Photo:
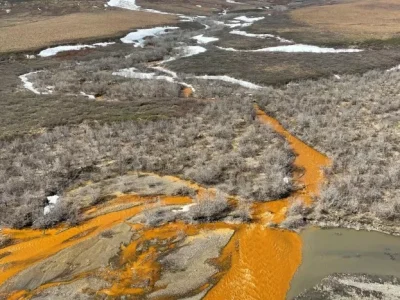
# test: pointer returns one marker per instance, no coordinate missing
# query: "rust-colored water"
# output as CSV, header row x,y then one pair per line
x,y
265,260
258,262
263,263
35,245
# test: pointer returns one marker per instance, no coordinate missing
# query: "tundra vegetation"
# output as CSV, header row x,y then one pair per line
x,y
354,121
220,147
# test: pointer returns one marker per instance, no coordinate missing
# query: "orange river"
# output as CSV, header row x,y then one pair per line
x,y
261,260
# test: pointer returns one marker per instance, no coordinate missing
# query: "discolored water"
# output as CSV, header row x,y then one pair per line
x,y
327,251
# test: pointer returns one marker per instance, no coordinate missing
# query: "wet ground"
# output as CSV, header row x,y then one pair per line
x,y
329,251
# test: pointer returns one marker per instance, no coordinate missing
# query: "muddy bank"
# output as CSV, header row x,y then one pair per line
x,y
348,287
329,251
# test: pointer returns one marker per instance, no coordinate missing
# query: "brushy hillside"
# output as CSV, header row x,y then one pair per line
x,y
355,121
223,146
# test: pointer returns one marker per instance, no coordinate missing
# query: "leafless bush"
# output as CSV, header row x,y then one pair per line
x,y
191,147
108,234
355,122
243,211
183,190
5,240
209,207
61,212
296,214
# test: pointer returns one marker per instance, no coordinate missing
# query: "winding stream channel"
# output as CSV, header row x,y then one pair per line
x,y
252,260
258,262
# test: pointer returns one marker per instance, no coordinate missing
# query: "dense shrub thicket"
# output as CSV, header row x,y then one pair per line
x,y
355,121
222,147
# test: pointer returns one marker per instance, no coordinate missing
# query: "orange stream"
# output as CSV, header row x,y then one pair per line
x,y
35,245
258,262
266,259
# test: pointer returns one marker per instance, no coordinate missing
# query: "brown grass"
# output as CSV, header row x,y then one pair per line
x,y
190,6
360,19
45,31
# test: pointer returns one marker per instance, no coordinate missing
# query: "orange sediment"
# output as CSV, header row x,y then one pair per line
x,y
263,263
257,263
264,260
307,158
36,245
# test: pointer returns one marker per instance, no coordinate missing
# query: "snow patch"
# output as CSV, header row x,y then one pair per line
x,y
164,70
87,95
396,68
229,79
234,2
249,20
134,73
186,51
297,48
138,37
52,202
30,86
184,208
201,39
131,5
260,36
55,50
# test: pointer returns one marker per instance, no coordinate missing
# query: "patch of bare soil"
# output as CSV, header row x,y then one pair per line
x,y
86,256
38,32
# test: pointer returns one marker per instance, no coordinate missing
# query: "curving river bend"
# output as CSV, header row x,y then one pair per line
x,y
255,261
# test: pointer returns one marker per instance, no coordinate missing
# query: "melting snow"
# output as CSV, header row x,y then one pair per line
x,y
131,5
133,73
225,78
52,202
184,208
186,51
260,36
248,20
164,70
87,95
201,39
138,37
297,48
396,68
54,50
29,85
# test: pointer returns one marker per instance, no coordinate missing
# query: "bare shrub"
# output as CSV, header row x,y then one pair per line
x,y
5,241
108,234
158,215
209,207
243,211
52,162
183,190
354,121
61,212
296,214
